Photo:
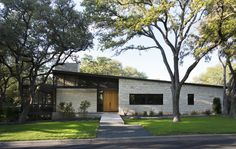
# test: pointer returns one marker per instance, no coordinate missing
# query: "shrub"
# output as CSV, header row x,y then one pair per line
x,y
194,113
160,113
216,106
84,105
145,113
207,112
9,114
67,109
151,113
61,106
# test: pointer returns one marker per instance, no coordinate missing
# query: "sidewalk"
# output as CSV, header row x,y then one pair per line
x,y
112,126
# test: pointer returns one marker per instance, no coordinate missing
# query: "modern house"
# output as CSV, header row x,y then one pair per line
x,y
127,95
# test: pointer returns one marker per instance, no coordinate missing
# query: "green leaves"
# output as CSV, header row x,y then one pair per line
x,y
107,66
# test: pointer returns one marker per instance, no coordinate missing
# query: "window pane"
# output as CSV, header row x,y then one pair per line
x,y
146,99
190,99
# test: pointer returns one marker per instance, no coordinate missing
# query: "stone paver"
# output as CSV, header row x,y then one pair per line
x,y
112,126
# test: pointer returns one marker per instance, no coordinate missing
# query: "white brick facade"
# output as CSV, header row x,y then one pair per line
x,y
76,96
203,96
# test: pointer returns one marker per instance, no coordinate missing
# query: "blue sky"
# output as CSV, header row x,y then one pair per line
x,y
149,62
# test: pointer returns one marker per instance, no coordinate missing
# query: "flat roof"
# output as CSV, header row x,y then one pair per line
x,y
60,72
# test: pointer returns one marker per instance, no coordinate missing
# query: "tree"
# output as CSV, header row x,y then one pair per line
x,y
220,25
35,37
169,24
213,76
107,66
4,84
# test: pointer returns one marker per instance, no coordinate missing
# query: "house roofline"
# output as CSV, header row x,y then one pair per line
x,y
55,72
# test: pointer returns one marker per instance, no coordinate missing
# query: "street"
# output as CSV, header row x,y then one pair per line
x,y
182,142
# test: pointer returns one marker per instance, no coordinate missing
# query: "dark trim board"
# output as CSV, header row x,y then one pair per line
x,y
80,74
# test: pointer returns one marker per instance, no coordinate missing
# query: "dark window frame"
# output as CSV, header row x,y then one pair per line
x,y
190,99
146,99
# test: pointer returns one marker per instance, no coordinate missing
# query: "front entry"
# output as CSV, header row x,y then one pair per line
x,y
110,102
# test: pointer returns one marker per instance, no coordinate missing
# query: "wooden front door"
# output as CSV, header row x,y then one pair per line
x,y
110,102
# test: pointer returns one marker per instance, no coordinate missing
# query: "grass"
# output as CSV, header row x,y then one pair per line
x,y
203,125
49,131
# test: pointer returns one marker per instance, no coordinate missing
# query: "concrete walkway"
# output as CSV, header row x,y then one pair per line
x,y
112,126
111,119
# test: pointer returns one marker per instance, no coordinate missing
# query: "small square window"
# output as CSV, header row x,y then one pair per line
x,y
190,99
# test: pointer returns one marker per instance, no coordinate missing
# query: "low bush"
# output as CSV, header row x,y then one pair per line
x,y
145,113
67,109
216,106
160,113
84,105
9,114
194,113
207,112
151,113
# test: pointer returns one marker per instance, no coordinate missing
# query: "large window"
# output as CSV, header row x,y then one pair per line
x,y
146,99
190,99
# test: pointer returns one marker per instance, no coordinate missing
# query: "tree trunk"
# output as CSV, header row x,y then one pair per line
x,y
232,89
233,97
28,103
225,98
25,112
175,99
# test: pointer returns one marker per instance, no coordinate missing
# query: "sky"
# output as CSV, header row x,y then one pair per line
x,y
150,62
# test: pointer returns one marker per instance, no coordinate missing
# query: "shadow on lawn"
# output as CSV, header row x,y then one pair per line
x,y
51,127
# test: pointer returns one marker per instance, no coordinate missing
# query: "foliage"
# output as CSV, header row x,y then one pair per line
x,y
61,106
207,112
67,109
169,25
213,75
10,110
107,66
84,105
151,113
36,36
220,25
216,106
196,125
49,130
194,113
145,113
160,113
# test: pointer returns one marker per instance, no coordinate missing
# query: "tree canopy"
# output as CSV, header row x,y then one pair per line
x,y
36,36
213,76
172,26
220,25
108,66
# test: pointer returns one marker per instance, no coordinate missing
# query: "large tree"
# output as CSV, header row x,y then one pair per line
x,y
220,24
37,35
170,25
108,66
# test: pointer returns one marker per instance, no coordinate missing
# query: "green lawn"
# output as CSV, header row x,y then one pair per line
x,y
49,130
203,125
